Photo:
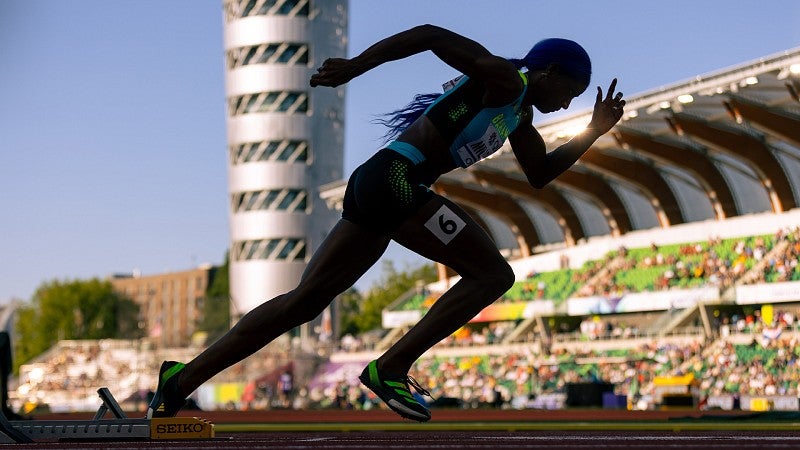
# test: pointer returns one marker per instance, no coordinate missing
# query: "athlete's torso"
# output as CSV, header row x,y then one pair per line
x,y
470,130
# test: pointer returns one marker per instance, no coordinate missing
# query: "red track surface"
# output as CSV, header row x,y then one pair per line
x,y
443,439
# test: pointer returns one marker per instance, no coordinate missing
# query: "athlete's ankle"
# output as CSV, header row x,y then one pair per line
x,y
391,367
179,383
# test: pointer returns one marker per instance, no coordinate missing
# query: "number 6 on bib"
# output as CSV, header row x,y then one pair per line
x,y
445,224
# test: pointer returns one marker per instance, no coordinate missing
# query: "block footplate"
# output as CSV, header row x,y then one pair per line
x,y
172,428
84,430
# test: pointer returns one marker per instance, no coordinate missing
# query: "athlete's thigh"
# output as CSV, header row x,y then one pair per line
x,y
445,233
344,256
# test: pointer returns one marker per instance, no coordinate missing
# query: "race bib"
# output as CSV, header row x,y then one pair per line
x,y
474,151
445,224
452,83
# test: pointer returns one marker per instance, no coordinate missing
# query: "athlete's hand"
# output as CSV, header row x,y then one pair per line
x,y
335,72
608,110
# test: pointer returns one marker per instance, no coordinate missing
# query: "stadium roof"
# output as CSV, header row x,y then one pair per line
x,y
719,145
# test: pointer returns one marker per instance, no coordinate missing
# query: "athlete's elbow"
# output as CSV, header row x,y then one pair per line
x,y
540,175
536,178
538,182
428,32
428,28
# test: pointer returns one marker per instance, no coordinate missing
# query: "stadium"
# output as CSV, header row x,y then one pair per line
x,y
660,272
670,248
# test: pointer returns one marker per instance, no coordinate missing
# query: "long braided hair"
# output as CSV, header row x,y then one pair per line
x,y
572,59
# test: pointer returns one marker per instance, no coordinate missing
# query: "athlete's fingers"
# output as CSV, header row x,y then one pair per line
x,y
611,88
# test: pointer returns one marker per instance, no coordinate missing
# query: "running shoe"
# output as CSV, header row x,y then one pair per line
x,y
395,391
167,400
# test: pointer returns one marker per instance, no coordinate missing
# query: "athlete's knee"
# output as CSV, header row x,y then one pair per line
x,y
500,278
298,308
507,278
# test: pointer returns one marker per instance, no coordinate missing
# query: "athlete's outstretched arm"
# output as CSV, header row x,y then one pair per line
x,y
459,52
541,167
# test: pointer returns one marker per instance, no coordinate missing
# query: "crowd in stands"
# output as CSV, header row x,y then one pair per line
x,y
351,344
783,265
514,380
67,377
72,372
768,364
593,328
715,262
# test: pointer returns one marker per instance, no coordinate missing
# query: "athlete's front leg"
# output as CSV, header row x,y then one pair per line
x,y
443,232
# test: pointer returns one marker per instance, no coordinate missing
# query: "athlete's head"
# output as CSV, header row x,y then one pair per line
x,y
560,70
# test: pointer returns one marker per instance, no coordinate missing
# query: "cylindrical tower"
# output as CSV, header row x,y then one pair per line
x,y
285,140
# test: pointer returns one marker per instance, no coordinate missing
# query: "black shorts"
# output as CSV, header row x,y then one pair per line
x,y
386,190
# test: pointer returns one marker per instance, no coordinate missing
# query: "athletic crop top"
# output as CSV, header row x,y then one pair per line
x,y
473,131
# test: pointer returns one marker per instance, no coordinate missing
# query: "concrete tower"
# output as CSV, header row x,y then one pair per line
x,y
285,139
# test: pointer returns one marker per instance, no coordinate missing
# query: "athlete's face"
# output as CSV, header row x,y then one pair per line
x,y
555,91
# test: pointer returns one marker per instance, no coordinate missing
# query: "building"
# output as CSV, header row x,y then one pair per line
x,y
285,140
171,304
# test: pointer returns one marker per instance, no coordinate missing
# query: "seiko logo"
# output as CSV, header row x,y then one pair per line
x,y
179,428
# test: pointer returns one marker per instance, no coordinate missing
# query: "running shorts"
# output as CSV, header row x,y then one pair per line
x,y
386,190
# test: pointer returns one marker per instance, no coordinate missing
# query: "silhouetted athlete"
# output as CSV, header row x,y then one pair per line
x,y
389,198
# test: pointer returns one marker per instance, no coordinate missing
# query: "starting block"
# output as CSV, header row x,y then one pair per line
x,y
120,428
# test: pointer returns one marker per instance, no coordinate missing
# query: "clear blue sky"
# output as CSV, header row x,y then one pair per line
x,y
112,120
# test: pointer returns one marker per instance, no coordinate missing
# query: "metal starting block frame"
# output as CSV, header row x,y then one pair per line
x,y
119,428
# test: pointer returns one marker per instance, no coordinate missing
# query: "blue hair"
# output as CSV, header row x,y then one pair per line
x,y
398,120
572,59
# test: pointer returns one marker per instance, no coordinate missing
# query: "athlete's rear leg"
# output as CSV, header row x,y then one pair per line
x,y
345,255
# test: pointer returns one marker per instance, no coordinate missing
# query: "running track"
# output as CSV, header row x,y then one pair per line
x,y
477,429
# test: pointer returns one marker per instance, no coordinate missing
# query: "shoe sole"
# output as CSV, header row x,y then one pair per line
x,y
395,405
154,414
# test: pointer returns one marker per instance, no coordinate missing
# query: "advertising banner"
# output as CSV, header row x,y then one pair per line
x,y
640,301
514,311
493,313
768,293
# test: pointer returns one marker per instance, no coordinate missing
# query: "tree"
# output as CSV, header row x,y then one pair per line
x,y
389,287
217,305
78,309
349,309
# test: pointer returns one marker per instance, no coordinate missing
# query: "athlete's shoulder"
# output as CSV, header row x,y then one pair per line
x,y
505,83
